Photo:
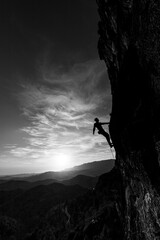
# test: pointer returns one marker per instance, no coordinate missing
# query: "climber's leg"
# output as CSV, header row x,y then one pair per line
x,y
108,139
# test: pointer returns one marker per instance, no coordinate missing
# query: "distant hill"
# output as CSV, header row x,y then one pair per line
x,y
92,169
82,180
84,175
21,184
95,168
15,176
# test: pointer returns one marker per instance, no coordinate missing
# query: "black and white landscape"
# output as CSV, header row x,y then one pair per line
x,y
80,82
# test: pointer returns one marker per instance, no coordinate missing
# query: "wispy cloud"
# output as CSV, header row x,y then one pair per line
x,y
61,107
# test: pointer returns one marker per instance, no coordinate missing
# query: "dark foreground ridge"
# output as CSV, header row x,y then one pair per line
x,y
48,209
92,215
59,212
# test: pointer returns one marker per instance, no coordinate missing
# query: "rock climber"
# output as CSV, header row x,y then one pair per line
x,y
100,129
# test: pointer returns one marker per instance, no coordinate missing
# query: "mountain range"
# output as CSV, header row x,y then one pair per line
x,y
84,175
26,199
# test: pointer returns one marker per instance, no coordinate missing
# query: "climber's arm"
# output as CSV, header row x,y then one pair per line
x,y
105,123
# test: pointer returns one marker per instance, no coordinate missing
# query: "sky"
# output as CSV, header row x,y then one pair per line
x,y
52,86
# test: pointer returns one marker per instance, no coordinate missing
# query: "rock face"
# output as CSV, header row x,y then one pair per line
x,y
129,44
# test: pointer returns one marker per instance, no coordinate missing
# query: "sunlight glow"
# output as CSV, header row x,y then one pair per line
x,y
62,161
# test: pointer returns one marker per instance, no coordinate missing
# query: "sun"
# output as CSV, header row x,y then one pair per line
x,y
62,161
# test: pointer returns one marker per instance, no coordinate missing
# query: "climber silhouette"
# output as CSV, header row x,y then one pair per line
x,y
98,125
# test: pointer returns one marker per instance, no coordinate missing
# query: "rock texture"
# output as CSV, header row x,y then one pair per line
x,y
129,44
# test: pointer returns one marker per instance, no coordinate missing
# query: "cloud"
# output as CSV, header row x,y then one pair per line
x,y
61,107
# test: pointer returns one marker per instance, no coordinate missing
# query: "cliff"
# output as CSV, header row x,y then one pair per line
x,y
129,44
